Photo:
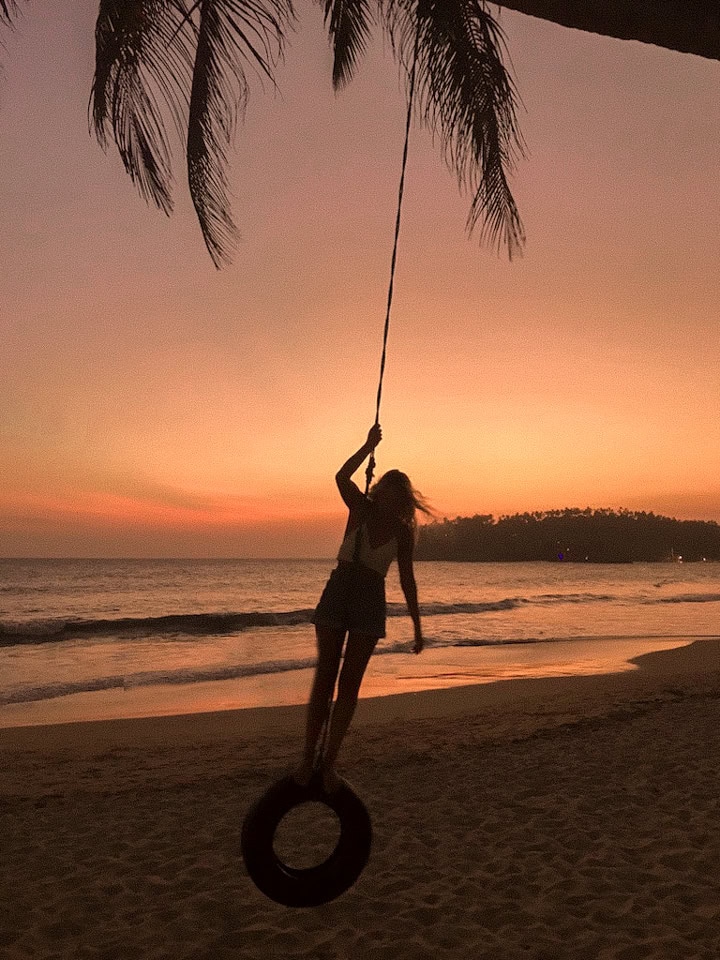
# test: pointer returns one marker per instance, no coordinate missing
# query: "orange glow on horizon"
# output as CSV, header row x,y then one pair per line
x,y
118,511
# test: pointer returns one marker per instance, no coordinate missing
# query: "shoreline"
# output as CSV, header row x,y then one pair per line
x,y
436,669
510,705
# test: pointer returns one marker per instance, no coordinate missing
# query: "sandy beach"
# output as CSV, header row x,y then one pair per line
x,y
536,819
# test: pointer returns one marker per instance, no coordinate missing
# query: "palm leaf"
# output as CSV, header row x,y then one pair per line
x,y
143,64
230,34
8,9
348,23
186,59
467,99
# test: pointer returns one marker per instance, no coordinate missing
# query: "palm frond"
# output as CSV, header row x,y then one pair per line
x,y
143,64
8,10
467,99
348,23
230,34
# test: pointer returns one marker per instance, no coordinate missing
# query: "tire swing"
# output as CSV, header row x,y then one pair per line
x,y
313,886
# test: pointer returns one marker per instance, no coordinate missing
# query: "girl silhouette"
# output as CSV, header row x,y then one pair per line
x,y
381,527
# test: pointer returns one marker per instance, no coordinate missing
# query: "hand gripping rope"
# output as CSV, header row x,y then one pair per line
x,y
313,886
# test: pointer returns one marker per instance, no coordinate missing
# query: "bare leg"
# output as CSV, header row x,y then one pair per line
x,y
329,645
357,654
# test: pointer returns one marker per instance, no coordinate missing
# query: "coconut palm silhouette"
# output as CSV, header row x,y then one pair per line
x,y
184,63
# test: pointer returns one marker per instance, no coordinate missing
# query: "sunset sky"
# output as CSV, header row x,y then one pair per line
x,y
152,406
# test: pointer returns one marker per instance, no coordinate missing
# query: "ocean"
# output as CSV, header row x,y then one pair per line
x,y
92,639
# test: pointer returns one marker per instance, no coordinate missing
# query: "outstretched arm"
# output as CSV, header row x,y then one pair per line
x,y
349,490
409,587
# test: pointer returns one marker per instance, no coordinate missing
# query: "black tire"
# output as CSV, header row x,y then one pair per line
x,y
312,886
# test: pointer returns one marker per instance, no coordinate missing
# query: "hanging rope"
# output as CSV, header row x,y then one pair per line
x,y
411,96
320,750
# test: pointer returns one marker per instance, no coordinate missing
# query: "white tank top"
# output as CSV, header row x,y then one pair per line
x,y
376,558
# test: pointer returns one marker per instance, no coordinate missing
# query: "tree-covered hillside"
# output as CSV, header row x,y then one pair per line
x,y
595,536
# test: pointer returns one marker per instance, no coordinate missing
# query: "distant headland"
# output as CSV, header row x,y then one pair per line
x,y
571,535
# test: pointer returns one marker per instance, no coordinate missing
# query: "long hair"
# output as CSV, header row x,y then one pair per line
x,y
411,500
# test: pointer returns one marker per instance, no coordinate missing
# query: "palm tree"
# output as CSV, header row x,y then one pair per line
x,y
184,63
186,60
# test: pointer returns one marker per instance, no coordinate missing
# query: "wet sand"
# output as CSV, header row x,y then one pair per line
x,y
538,819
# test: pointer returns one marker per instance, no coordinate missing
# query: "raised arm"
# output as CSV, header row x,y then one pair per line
x,y
349,490
409,587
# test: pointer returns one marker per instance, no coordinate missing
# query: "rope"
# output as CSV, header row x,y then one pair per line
x,y
371,463
411,96
320,750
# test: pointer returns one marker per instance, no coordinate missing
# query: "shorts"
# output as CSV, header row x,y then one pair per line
x,y
353,599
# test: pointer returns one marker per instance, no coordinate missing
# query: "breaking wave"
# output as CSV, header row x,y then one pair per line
x,y
48,630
